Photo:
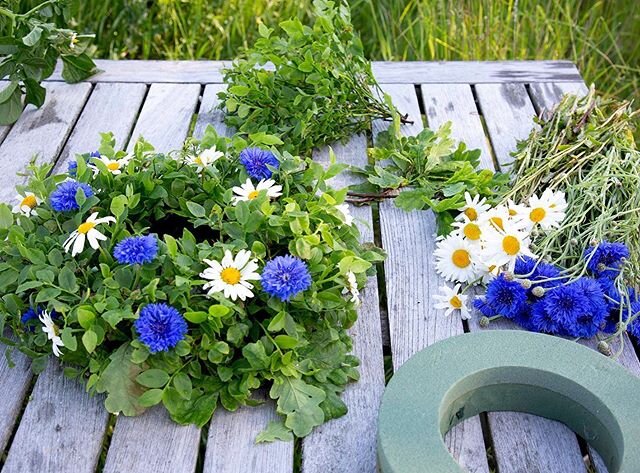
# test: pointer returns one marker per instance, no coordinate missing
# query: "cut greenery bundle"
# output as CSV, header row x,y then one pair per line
x,y
189,280
30,45
317,88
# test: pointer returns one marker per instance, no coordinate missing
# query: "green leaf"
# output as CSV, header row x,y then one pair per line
x,y
182,383
90,340
196,411
256,355
153,378
196,210
239,90
70,342
172,245
33,37
265,139
300,403
151,397
47,294
196,317
86,316
6,217
35,93
118,381
218,310
118,205
77,68
275,430
277,323
67,280
11,107
411,200
285,341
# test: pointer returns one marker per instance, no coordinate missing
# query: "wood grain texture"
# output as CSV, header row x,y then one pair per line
x,y
412,72
522,442
111,107
166,115
508,115
546,95
239,429
14,383
62,427
152,442
411,281
455,103
39,133
348,444
4,131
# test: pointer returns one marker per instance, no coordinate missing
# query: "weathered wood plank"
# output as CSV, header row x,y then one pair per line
x,y
508,114
14,383
75,438
521,442
411,282
348,444
40,133
112,107
4,131
166,115
62,427
455,103
152,442
545,97
411,72
239,429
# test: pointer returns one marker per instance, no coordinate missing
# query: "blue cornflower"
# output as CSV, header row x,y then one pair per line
x,y
160,327
256,160
523,318
63,198
285,276
605,259
537,271
505,298
565,304
136,250
595,311
72,167
543,321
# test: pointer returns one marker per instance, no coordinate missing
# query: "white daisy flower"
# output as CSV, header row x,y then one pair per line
x,y
248,192
115,165
73,40
206,158
488,272
548,210
86,231
51,330
451,300
495,218
231,276
453,259
474,207
503,247
471,230
26,204
346,213
352,288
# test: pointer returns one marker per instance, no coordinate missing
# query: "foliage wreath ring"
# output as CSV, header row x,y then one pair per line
x,y
516,371
296,342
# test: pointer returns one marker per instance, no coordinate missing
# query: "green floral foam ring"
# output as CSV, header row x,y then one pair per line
x,y
506,370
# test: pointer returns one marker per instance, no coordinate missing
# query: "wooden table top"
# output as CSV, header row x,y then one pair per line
x,y
49,424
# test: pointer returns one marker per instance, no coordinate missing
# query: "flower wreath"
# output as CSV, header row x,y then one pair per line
x,y
189,278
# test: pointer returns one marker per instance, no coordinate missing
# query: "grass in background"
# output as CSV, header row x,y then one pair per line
x,y
601,37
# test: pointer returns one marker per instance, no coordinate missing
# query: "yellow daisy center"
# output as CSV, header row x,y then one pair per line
x,y
471,213
113,166
252,195
198,160
537,215
230,276
511,245
455,302
461,258
29,201
85,227
512,213
497,221
472,231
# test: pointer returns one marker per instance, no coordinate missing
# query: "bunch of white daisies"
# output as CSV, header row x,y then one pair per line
x,y
487,240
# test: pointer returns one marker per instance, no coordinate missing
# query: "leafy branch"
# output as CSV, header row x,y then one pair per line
x,y
30,45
